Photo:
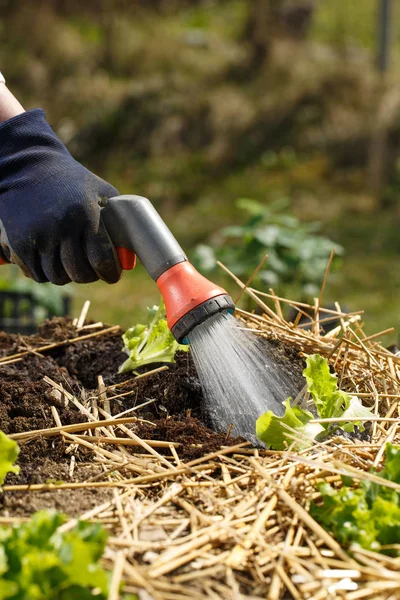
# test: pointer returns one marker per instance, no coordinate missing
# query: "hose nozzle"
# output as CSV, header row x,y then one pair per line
x,y
133,224
190,299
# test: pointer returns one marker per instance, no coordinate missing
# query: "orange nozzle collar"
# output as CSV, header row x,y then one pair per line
x,y
183,289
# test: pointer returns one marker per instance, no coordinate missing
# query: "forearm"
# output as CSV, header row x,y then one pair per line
x,y
9,105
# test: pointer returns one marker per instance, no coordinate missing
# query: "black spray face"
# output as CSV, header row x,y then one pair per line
x,y
199,314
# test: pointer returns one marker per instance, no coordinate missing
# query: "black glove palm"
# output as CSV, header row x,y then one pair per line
x,y
49,207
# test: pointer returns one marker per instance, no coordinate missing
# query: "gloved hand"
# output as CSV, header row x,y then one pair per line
x,y
49,207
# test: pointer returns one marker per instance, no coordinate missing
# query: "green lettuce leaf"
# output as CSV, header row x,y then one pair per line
x,y
355,410
278,432
367,515
346,514
392,463
38,562
330,402
322,385
9,451
151,343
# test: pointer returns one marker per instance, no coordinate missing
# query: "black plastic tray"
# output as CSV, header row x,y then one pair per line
x,y
18,312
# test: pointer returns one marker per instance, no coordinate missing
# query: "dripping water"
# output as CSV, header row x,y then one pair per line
x,y
239,379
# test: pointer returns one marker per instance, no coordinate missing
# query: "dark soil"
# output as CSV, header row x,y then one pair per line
x,y
177,413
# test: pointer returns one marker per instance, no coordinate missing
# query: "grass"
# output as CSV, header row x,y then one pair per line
x,y
339,23
354,24
123,303
372,284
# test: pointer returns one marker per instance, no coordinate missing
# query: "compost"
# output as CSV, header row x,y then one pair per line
x,y
175,412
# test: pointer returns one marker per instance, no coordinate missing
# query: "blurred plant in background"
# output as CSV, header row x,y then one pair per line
x,y
297,256
194,103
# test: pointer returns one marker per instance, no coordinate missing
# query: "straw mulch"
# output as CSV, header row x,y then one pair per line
x,y
235,524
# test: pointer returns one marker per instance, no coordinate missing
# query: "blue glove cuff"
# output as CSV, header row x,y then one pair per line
x,y
26,141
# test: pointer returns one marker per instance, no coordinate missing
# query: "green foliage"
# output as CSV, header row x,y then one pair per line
x,y
151,343
296,255
275,431
9,451
39,563
329,401
367,516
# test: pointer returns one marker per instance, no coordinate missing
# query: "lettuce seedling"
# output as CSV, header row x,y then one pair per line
x,y
9,451
151,343
367,515
38,562
278,432
330,402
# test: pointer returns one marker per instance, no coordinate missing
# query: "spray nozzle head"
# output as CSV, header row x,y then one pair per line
x,y
199,314
190,299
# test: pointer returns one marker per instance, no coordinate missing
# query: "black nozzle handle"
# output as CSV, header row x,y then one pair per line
x,y
133,223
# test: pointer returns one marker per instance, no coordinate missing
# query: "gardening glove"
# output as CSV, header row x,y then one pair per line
x,y
49,207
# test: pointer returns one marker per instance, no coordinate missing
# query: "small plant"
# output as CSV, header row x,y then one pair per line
x,y
38,562
9,451
330,402
367,515
151,343
297,257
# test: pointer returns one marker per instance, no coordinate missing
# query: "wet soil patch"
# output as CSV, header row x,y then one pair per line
x,y
175,412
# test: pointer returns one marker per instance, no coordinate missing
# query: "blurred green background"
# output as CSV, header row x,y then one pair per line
x,y
195,104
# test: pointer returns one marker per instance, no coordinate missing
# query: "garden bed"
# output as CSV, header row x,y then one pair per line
x,y
192,513
174,412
